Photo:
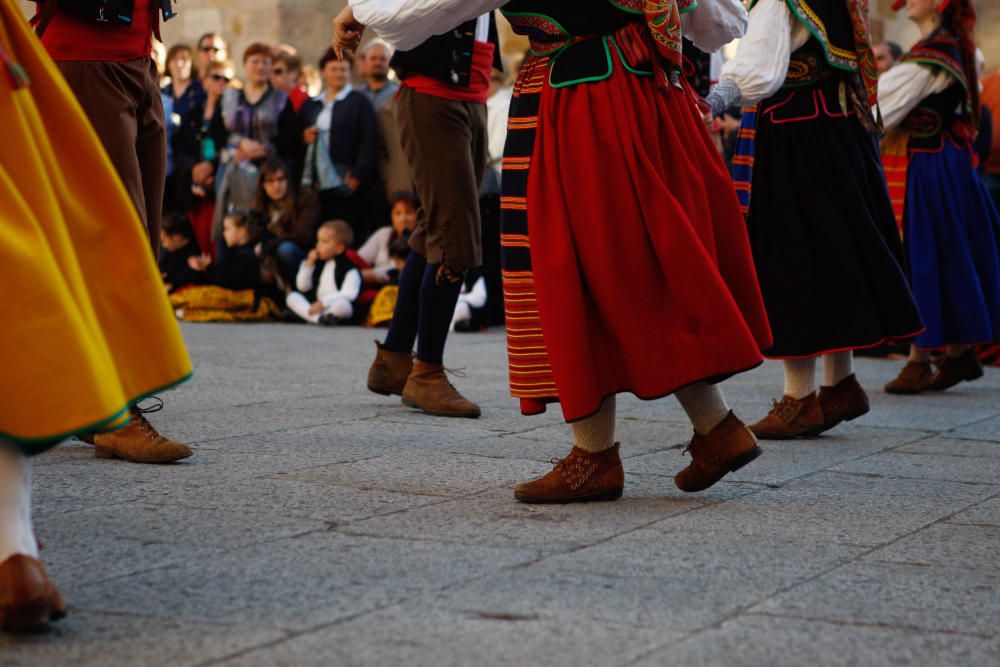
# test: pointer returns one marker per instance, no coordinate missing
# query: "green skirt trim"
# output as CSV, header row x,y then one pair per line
x,y
35,446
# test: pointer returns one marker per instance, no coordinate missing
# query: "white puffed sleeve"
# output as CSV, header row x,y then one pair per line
x,y
761,61
407,23
904,86
714,23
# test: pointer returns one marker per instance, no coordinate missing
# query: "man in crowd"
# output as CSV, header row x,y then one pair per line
x,y
375,68
211,47
107,63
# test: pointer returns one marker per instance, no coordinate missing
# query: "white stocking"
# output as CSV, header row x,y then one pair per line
x,y
836,367
16,533
597,432
800,377
704,404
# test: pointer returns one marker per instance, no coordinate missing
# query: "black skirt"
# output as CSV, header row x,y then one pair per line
x,y
824,238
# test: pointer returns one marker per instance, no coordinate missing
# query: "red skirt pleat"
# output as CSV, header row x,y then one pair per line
x,y
644,278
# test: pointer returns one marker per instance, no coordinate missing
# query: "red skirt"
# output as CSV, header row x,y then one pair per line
x,y
641,270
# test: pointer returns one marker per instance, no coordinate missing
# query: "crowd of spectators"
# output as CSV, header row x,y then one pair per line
x,y
289,180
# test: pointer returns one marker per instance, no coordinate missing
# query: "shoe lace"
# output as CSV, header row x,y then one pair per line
x,y
786,409
139,413
456,372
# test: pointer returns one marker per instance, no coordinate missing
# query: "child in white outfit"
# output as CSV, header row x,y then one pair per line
x,y
328,282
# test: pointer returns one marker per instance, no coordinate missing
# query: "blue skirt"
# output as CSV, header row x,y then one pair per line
x,y
952,235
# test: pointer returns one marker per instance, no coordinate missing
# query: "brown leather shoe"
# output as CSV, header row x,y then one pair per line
x,y
389,371
428,389
580,477
729,447
952,370
843,402
28,598
791,418
915,377
139,442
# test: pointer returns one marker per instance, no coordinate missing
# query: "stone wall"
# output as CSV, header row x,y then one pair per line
x,y
306,24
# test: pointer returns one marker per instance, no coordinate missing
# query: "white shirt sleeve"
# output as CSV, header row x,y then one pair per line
x,y
476,297
371,250
714,23
761,61
407,23
902,88
304,278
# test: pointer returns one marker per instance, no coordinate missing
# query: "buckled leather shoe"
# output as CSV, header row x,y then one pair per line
x,y
791,418
727,448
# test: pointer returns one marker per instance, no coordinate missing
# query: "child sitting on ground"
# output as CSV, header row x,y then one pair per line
x,y
328,282
177,245
239,266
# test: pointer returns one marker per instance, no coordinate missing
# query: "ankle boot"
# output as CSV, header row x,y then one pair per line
x,y
843,402
28,598
952,370
727,448
428,389
791,418
139,442
389,371
580,477
915,377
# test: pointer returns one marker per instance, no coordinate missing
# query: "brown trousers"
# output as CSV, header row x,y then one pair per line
x,y
122,102
446,145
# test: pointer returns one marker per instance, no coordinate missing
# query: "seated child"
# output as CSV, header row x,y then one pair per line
x,y
375,251
471,302
239,266
328,282
177,245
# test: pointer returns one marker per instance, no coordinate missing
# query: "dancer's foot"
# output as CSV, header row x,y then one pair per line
x,y
952,370
139,441
389,371
791,418
28,598
580,477
914,378
429,390
727,448
843,402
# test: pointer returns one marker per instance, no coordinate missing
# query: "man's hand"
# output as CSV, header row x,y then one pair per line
x,y
202,173
310,134
347,32
316,308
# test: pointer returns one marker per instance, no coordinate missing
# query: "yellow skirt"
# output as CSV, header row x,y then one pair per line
x,y
85,326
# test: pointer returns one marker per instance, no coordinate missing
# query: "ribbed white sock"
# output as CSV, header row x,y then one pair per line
x,y
16,533
800,377
836,367
597,432
704,404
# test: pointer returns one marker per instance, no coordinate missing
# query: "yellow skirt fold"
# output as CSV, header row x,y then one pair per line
x,y
85,326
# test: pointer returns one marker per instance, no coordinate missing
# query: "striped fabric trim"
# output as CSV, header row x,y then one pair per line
x,y
896,162
743,158
531,374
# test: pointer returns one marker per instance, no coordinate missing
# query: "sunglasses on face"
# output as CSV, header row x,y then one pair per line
x,y
219,77
210,49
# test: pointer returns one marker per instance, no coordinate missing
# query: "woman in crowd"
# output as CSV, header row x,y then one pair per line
x,y
260,123
211,48
341,159
290,215
187,98
211,139
376,250
573,192
930,101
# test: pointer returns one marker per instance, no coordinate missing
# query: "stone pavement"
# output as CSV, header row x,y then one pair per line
x,y
319,524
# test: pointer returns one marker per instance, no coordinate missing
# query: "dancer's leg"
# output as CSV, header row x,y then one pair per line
x,y
704,404
800,377
956,350
919,356
16,533
836,367
438,297
403,329
597,432
798,413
